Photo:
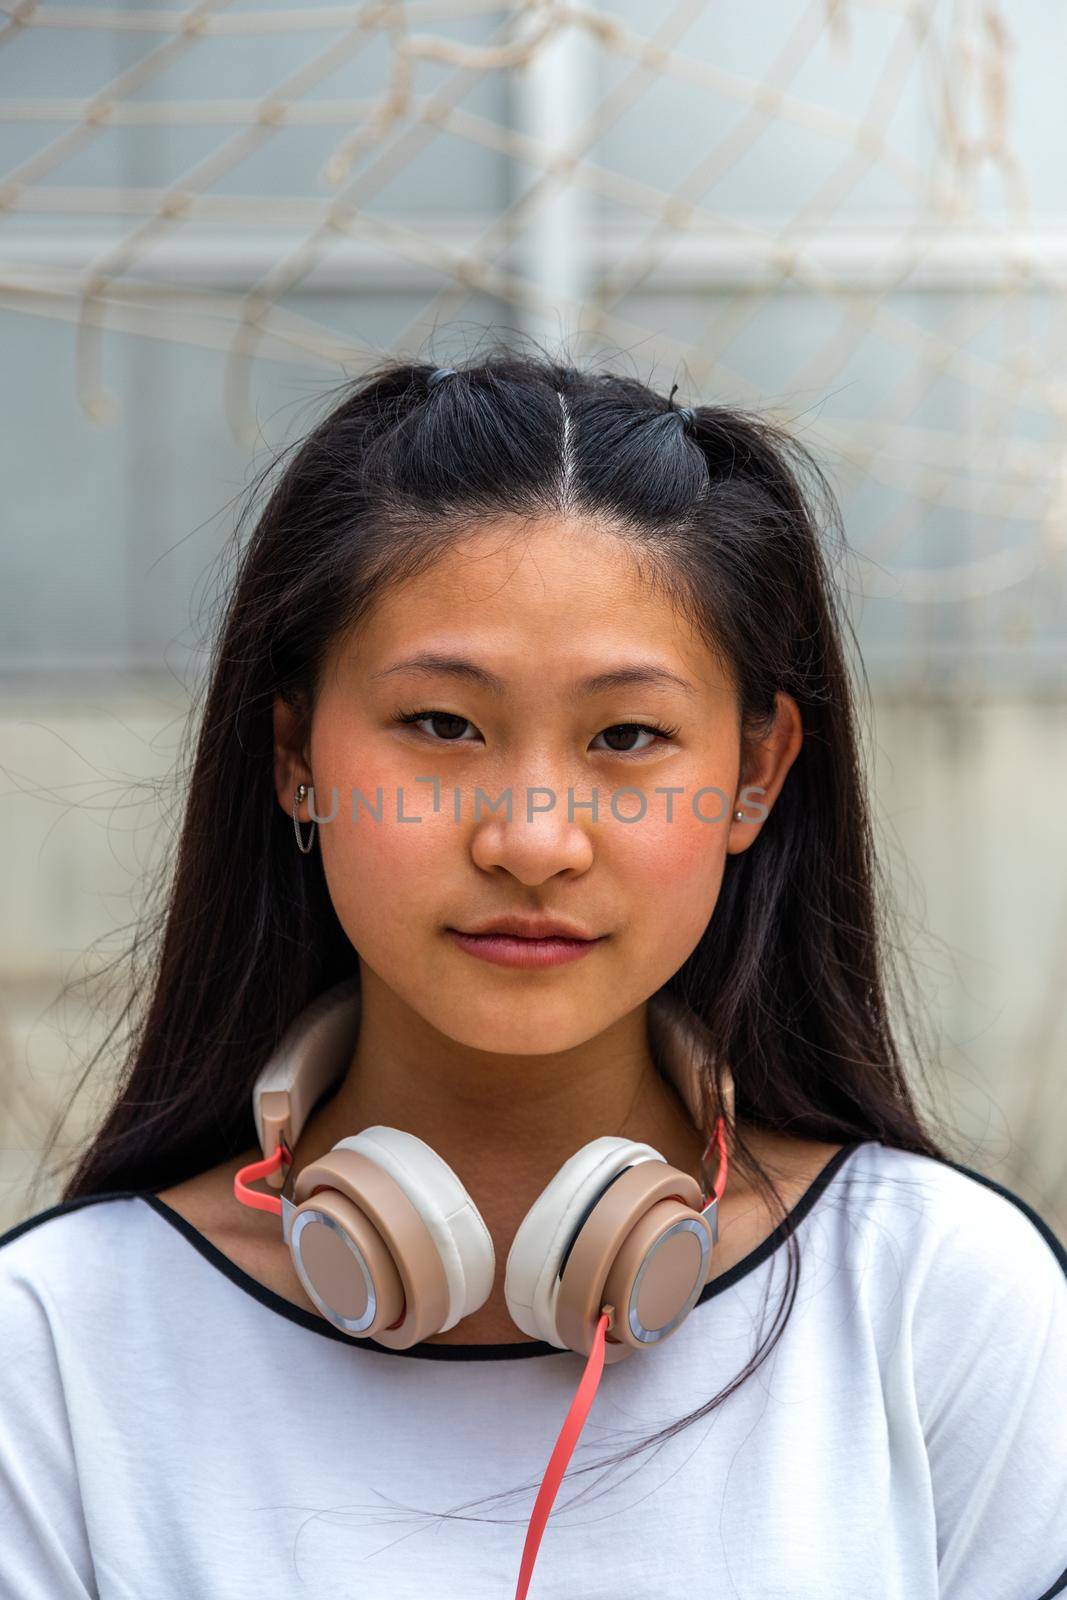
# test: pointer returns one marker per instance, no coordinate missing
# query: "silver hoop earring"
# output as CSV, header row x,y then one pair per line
x,y
300,794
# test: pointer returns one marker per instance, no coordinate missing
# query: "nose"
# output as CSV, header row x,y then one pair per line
x,y
535,832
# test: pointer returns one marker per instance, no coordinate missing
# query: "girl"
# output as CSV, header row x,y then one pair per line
x,y
523,927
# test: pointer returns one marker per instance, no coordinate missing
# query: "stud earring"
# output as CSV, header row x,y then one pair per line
x,y
738,816
299,796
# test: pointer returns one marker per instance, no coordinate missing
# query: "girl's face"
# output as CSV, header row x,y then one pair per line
x,y
532,613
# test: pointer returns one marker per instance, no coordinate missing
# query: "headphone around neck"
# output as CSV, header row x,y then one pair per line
x,y
610,1258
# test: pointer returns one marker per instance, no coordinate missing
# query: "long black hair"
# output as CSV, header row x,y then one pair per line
x,y
725,510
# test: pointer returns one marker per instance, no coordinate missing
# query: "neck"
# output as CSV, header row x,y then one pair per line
x,y
504,1123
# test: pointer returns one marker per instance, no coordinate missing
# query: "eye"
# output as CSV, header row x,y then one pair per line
x,y
415,717
630,728
454,725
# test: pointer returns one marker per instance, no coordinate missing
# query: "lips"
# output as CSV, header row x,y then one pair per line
x,y
530,928
505,949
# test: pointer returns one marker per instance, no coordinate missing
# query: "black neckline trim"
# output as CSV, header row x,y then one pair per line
x,y
478,1352
509,1352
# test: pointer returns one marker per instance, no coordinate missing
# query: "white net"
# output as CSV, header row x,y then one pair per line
x,y
821,206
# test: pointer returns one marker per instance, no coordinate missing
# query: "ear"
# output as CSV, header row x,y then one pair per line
x,y
290,758
767,763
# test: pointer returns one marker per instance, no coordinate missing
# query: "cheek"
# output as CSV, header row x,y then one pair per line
x,y
673,872
382,875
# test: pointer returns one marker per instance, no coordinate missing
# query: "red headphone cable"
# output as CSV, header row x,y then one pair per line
x,y
583,1399
259,1169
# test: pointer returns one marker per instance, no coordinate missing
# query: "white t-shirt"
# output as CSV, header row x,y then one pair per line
x,y
171,1430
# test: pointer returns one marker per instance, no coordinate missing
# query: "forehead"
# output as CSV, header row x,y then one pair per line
x,y
547,600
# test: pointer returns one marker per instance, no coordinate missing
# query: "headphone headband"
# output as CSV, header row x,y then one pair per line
x,y
317,1047
311,1056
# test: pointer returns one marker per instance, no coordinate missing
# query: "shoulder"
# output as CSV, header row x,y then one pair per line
x,y
64,1284
955,1269
946,1205
53,1230
52,1258
72,1233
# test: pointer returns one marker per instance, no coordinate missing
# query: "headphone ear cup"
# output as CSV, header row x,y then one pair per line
x,y
546,1233
398,1215
617,1225
456,1225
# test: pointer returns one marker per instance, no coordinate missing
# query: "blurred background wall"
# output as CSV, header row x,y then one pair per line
x,y
849,213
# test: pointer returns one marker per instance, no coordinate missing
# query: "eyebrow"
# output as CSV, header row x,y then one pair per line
x,y
430,663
